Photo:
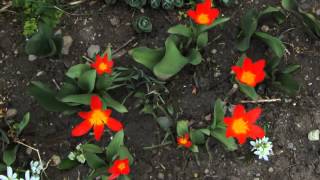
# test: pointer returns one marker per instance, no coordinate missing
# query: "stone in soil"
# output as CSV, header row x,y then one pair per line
x,y
67,42
93,50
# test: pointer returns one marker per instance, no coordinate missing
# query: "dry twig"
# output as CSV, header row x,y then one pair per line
x,y
260,101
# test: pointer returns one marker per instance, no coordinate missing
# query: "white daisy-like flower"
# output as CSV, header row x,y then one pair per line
x,y
10,175
262,148
72,156
81,158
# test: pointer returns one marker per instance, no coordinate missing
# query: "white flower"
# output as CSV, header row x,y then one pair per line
x,y
72,156
10,175
262,148
28,177
78,147
36,167
81,158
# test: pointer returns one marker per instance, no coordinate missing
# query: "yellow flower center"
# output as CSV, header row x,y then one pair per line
x,y
98,118
240,126
248,77
121,166
103,66
203,18
183,141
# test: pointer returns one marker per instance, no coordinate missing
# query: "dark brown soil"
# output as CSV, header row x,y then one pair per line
x,y
288,121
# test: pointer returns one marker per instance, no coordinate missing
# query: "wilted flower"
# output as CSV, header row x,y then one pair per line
x,y
119,167
262,148
10,175
97,118
81,158
242,124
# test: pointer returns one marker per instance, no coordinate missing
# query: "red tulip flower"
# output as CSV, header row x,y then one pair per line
x,y
119,167
250,73
242,125
102,65
204,13
184,141
97,118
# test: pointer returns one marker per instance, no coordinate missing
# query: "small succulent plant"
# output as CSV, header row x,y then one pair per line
x,y
168,4
142,24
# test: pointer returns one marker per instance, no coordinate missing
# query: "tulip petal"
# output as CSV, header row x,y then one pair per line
x,y
256,132
239,111
113,176
96,103
81,129
247,64
114,124
253,115
98,131
84,115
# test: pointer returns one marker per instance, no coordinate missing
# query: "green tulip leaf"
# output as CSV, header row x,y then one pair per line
x,y
77,70
249,91
93,160
274,43
181,30
113,148
87,81
146,56
182,128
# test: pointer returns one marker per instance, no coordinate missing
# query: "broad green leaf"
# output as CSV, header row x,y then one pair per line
x,y
194,148
67,89
205,131
41,45
248,25
182,128
273,42
9,155
217,22
125,154
218,113
181,30
147,109
288,84
46,97
78,99
104,82
93,160
290,69
249,91
23,124
274,12
202,40
197,137
172,62
220,135
164,122
146,56
194,57
77,70
114,146
4,136
87,80
66,164
100,172
290,5
114,104
312,23
92,148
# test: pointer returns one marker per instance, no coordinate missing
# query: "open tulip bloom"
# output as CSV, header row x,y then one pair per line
x,y
184,141
97,118
250,73
119,167
102,65
242,124
204,13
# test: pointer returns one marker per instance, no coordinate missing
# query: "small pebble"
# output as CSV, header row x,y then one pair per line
x,y
270,169
93,50
314,135
214,51
160,175
265,28
32,57
56,160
